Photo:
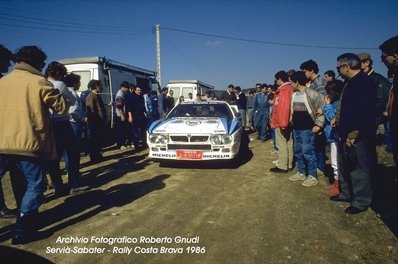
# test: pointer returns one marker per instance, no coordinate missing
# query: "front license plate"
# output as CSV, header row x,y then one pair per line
x,y
189,154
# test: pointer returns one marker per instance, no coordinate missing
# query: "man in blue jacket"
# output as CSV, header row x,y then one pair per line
x,y
261,112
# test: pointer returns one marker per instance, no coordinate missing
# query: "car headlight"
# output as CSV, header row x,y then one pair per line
x,y
226,139
158,139
221,139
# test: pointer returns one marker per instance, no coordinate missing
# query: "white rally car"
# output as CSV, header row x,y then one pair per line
x,y
196,130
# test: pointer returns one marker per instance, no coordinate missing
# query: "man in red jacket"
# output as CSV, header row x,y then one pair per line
x,y
280,121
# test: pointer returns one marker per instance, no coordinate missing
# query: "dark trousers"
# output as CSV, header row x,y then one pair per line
x,y
138,134
320,152
95,139
394,138
356,165
78,132
18,182
121,132
65,141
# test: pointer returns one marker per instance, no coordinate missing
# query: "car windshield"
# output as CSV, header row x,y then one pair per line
x,y
201,110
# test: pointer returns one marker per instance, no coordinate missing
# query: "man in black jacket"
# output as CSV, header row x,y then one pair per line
x,y
229,95
355,125
137,117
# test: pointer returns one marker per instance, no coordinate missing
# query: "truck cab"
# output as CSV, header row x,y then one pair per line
x,y
185,87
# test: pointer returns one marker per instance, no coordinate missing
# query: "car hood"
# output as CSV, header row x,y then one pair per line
x,y
194,125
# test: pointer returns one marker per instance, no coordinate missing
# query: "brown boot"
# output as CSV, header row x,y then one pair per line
x,y
333,189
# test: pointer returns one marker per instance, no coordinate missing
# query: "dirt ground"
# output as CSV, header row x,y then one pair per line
x,y
140,211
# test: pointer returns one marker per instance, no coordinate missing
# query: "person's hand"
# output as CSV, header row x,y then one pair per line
x,y
333,122
351,142
316,129
319,112
327,99
286,133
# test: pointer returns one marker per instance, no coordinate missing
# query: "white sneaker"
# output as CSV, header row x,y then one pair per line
x,y
297,177
320,173
123,148
275,162
310,181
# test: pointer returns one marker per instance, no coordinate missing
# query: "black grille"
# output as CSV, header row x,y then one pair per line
x,y
179,138
189,139
180,146
199,138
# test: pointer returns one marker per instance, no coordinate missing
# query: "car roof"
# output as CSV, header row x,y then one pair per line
x,y
204,102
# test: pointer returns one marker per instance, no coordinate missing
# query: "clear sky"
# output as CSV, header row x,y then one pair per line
x,y
216,41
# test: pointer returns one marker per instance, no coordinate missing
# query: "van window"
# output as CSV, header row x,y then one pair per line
x,y
176,91
85,77
186,91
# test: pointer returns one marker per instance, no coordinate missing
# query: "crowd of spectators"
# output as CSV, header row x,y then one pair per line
x,y
302,112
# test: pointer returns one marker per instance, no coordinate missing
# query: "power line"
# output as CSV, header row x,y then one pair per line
x,y
67,24
69,30
267,42
22,21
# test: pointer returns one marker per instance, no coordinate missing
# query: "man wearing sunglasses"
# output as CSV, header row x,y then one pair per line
x,y
355,125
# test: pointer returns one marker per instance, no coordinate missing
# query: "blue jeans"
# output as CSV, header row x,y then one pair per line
x,y
273,138
34,171
77,129
304,151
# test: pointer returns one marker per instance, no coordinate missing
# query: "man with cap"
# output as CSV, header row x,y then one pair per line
x,y
382,83
389,57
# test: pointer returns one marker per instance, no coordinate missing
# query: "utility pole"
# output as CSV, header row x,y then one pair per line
x,y
158,73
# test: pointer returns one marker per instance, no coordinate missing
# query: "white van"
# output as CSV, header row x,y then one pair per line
x,y
184,87
111,73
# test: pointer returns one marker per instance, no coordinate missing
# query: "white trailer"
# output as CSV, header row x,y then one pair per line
x,y
111,73
184,87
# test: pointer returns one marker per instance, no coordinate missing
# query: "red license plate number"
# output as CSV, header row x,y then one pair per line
x,y
190,154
